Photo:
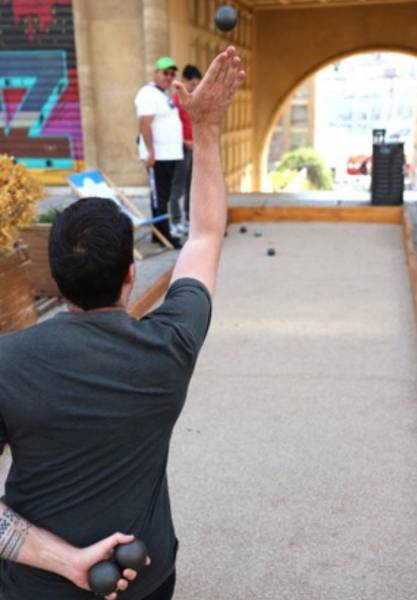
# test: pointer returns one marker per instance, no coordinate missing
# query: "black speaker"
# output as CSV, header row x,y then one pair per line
x,y
387,188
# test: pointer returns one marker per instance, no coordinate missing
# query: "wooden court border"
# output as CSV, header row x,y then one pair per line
x,y
410,254
350,214
150,296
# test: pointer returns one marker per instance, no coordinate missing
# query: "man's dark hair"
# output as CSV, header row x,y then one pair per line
x,y
90,252
190,72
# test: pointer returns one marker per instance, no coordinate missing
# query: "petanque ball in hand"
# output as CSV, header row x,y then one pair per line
x,y
103,578
131,556
226,18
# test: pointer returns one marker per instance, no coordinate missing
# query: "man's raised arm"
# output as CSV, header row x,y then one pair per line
x,y
207,106
22,542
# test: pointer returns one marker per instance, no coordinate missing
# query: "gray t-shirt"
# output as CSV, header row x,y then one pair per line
x,y
88,402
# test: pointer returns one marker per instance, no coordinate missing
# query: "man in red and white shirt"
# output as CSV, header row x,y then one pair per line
x,y
191,77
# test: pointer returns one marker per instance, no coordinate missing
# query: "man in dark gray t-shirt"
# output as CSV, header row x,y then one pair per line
x,y
90,429
89,399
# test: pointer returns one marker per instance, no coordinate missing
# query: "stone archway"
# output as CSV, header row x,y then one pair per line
x,y
293,44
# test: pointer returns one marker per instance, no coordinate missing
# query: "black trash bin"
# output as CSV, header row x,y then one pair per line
x,y
387,187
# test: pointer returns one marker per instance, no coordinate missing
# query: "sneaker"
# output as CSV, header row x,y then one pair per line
x,y
175,230
183,228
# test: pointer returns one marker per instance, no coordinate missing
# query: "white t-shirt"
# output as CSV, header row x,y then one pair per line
x,y
166,126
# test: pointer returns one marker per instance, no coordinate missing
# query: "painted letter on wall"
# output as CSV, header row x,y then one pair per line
x,y
40,121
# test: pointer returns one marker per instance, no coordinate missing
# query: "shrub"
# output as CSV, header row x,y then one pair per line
x,y
280,179
318,174
49,215
19,192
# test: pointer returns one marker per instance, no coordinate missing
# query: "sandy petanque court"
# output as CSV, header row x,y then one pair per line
x,y
293,468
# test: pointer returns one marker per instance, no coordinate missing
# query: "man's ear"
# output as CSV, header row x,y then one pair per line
x,y
131,274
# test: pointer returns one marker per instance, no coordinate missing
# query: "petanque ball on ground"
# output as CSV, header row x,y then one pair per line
x,y
131,556
243,229
271,252
226,18
103,578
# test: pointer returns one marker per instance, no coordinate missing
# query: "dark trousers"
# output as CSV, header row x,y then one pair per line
x,y
165,591
181,187
188,174
160,179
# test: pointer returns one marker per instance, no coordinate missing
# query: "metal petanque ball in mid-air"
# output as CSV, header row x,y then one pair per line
x,y
226,18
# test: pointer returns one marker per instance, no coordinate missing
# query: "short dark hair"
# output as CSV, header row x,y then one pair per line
x,y
190,72
90,252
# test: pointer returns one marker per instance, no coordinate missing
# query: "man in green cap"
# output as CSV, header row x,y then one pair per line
x,y
160,139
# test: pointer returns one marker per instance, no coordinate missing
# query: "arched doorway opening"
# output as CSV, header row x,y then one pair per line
x,y
333,112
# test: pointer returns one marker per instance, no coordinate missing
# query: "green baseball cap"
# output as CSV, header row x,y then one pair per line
x,y
165,62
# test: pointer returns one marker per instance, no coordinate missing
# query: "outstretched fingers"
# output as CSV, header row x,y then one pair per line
x,y
218,68
239,81
213,95
234,79
231,72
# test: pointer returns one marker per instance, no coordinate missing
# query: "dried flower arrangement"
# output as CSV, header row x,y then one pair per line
x,y
19,193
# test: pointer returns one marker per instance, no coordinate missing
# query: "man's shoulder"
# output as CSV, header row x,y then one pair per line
x,y
185,298
23,337
147,90
17,347
147,100
187,308
188,285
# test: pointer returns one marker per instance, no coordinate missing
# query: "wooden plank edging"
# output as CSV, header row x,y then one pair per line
x,y
353,214
410,255
146,300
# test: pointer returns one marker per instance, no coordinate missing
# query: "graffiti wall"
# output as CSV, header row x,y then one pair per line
x,y
40,120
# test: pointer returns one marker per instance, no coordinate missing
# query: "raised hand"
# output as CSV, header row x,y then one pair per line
x,y
212,97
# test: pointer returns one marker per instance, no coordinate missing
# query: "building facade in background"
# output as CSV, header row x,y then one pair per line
x,y
369,91
296,124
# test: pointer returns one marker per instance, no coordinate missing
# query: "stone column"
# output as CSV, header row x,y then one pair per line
x,y
111,64
85,83
155,32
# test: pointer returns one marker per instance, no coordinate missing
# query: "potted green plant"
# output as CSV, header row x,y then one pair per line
x,y
19,193
36,238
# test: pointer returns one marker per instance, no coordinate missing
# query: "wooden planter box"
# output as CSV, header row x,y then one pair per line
x,y
17,309
36,238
